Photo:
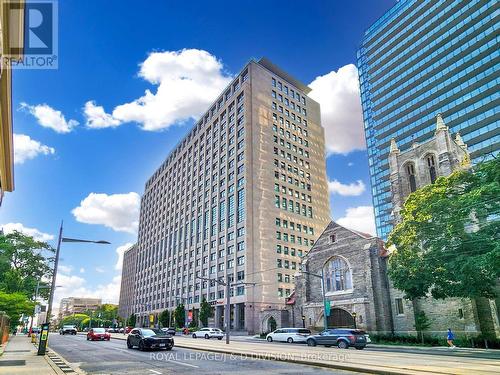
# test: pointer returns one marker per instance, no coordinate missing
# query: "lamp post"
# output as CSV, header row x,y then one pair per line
x,y
322,292
43,343
354,317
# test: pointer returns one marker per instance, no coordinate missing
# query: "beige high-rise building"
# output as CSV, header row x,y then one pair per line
x,y
241,198
76,305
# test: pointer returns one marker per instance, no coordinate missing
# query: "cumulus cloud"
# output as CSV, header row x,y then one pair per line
x,y
119,212
64,269
49,117
33,232
187,81
347,190
97,117
82,270
341,114
120,250
26,148
100,269
359,218
75,286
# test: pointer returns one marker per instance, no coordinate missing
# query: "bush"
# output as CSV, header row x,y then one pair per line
x,y
460,341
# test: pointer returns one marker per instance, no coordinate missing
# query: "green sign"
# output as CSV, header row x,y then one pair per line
x,y
327,308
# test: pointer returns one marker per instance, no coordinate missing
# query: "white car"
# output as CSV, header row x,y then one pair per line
x,y
289,335
208,333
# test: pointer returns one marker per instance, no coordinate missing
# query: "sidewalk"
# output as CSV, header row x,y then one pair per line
x,y
370,361
20,358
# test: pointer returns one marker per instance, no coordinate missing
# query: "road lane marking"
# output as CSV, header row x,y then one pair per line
x,y
181,363
155,372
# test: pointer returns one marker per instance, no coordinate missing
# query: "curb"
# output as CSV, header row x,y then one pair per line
x,y
58,361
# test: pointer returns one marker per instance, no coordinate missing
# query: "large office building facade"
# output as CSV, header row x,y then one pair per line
x,y
241,198
424,58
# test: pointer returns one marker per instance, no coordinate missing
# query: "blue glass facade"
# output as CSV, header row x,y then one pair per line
x,y
420,59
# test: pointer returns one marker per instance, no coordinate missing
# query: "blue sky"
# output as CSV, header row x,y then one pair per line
x,y
101,44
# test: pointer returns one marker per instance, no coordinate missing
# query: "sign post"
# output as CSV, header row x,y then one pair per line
x,y
44,337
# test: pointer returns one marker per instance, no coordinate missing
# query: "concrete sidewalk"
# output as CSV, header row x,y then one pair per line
x,y
369,361
19,358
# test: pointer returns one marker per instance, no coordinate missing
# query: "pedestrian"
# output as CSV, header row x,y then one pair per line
x,y
449,339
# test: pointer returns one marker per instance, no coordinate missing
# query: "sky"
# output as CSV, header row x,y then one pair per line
x,y
132,79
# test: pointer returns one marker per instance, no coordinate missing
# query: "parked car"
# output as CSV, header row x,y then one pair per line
x,y
128,329
149,338
169,331
98,334
341,337
289,335
121,330
208,333
111,330
67,330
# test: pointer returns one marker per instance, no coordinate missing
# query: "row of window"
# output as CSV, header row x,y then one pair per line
x,y
284,88
288,251
292,181
288,134
289,103
294,226
285,237
291,206
285,263
290,146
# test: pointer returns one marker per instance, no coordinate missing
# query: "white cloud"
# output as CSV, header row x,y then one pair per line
x,y
33,232
187,81
82,270
75,286
359,218
100,269
341,114
346,190
97,117
350,164
64,269
120,250
51,118
26,148
119,212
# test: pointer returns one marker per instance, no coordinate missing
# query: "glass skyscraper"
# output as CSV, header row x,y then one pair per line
x,y
423,58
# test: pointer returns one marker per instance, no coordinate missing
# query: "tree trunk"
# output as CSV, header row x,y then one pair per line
x,y
485,317
416,309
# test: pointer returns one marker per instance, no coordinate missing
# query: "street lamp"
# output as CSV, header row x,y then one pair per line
x,y
43,343
38,287
354,317
322,292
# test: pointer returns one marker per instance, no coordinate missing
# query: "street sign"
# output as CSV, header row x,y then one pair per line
x,y
44,336
190,316
327,308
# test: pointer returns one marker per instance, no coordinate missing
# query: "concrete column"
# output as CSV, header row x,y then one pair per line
x,y
218,316
236,315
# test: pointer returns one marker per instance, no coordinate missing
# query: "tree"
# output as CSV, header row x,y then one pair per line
x,y
15,305
131,321
23,263
164,318
180,315
205,312
422,323
448,242
75,319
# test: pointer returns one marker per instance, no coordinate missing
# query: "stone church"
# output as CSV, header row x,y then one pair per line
x,y
353,265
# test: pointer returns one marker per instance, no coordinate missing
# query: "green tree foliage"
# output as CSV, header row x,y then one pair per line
x,y
76,320
422,323
180,315
448,243
205,312
24,262
131,321
164,318
15,305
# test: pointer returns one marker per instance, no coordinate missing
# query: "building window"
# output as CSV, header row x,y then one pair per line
x,y
460,313
410,171
333,238
431,164
399,306
337,275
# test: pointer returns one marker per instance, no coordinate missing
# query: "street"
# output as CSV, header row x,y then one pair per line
x,y
113,357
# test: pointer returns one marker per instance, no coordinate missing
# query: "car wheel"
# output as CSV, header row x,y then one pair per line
x,y
342,344
311,342
328,346
219,338
141,346
360,347
129,345
289,340
207,336
194,335
168,348
269,339
87,338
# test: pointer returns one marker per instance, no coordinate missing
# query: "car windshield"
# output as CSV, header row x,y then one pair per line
x,y
98,330
152,332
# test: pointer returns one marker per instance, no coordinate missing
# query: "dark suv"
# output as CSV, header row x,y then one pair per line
x,y
341,337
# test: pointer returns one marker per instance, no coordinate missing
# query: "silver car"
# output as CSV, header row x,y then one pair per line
x,y
208,333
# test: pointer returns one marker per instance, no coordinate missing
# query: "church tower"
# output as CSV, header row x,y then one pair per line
x,y
423,163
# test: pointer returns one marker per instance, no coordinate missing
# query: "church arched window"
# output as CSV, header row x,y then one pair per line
x,y
431,165
337,274
412,181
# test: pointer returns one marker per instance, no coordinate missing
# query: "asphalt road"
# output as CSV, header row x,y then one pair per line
x,y
113,357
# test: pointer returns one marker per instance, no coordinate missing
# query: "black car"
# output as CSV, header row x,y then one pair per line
x,y
149,338
341,337
169,331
